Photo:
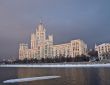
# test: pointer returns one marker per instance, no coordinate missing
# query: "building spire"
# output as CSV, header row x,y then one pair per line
x,y
40,27
41,21
95,45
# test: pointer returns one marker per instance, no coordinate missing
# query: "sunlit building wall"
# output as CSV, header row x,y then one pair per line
x,y
23,48
78,47
73,49
61,50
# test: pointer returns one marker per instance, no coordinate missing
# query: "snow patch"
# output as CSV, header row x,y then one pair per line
x,y
58,65
30,79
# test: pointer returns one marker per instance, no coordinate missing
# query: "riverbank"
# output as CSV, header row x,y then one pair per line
x,y
57,65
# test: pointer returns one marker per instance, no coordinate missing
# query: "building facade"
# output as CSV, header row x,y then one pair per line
x,y
78,47
73,49
42,46
103,50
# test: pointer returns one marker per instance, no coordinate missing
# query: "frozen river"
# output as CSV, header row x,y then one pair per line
x,y
66,76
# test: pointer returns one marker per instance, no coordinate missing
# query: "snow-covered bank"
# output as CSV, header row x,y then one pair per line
x,y
57,65
30,79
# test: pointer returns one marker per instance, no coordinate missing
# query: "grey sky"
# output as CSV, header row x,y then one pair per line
x,y
65,19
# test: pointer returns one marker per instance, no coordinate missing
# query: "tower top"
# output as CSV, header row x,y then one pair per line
x,y
40,27
41,22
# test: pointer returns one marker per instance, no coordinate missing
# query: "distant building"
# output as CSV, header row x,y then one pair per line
x,y
103,50
42,47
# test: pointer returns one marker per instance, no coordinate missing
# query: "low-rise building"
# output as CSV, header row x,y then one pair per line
x,y
103,50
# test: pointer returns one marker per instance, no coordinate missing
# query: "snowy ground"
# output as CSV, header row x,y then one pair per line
x,y
30,79
57,65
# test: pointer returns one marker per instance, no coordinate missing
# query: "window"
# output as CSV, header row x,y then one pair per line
x,y
45,51
46,46
38,48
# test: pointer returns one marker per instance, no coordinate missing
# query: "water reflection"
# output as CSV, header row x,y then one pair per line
x,y
69,76
33,72
104,76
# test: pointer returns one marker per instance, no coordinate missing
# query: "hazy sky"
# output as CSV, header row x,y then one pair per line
x,y
65,19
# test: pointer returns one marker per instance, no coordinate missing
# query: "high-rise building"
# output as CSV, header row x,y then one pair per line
x,y
42,46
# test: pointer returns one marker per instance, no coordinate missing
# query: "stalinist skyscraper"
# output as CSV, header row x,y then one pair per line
x,y
42,46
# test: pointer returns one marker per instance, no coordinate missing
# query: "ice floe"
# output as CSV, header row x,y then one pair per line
x,y
30,79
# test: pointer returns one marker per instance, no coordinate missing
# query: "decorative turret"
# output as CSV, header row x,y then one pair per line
x,y
23,51
50,38
33,41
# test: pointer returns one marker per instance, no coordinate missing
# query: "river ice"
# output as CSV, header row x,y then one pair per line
x,y
58,65
30,79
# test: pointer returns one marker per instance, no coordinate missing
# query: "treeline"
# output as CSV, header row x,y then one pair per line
x,y
53,60
57,59
92,56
